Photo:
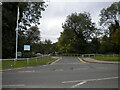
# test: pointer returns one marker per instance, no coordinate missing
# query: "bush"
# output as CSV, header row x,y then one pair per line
x,y
28,54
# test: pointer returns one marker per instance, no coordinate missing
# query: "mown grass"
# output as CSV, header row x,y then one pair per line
x,y
106,58
0,64
24,63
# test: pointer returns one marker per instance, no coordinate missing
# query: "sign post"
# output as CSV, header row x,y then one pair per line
x,y
17,31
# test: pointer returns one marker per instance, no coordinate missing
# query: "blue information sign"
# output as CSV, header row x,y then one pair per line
x,y
26,47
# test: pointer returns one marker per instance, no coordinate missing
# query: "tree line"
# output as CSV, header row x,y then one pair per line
x,y
80,35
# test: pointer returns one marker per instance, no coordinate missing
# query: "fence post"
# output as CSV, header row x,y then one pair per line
x,y
36,60
15,61
27,60
82,55
113,56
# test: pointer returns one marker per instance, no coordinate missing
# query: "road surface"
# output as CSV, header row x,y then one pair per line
x,y
69,72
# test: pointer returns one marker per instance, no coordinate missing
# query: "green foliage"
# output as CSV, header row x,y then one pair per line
x,y
80,24
31,13
109,17
110,14
47,46
78,30
107,46
116,37
32,35
28,54
93,46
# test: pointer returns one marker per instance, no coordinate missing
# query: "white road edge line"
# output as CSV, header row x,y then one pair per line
x,y
89,80
78,84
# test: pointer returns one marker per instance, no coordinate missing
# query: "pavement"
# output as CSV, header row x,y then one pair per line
x,y
67,72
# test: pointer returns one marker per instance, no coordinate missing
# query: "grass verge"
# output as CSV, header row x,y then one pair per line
x,y
24,63
106,58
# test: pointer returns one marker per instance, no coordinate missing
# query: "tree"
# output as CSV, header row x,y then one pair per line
x,y
116,36
107,46
109,18
81,25
65,41
28,13
32,35
31,14
78,30
9,12
116,39
47,46
93,46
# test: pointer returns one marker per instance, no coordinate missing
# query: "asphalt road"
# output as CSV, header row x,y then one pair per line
x,y
69,72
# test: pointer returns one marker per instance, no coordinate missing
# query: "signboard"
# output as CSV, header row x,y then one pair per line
x,y
19,54
26,47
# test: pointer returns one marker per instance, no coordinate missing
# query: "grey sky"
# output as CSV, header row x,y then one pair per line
x,y
56,13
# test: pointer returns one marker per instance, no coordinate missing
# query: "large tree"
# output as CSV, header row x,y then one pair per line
x,y
81,24
30,12
32,35
110,18
110,21
78,30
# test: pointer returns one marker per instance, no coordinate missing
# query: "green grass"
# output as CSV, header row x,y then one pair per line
x,y
106,58
0,64
23,63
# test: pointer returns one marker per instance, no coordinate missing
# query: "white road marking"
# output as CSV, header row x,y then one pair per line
x,y
15,85
78,84
58,70
26,71
89,80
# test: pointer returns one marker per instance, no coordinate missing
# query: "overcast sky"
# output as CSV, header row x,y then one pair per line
x,y
56,13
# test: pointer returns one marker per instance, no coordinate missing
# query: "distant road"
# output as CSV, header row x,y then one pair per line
x,y
69,72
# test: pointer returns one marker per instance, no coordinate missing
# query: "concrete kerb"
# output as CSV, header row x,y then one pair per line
x,y
97,61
